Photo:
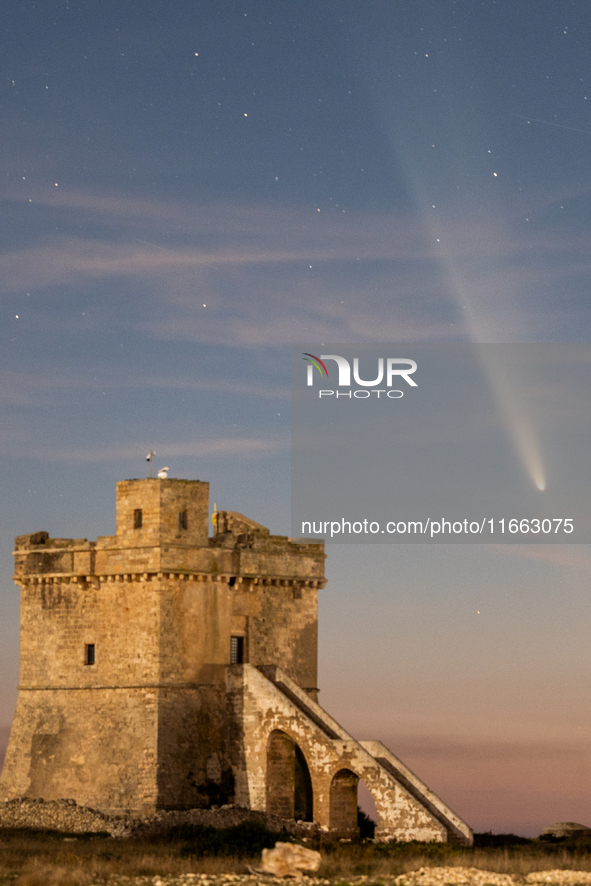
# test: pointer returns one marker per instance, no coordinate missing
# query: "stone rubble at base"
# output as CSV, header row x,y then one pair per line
x,y
67,817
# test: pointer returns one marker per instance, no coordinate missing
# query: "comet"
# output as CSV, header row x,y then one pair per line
x,y
519,421
520,425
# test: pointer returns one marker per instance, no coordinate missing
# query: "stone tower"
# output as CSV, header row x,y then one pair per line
x,y
165,669
125,642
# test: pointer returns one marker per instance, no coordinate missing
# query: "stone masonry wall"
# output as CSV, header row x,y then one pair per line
x,y
161,503
121,619
285,630
97,746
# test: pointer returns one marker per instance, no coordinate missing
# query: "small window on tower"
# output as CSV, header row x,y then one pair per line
x,y
183,523
237,650
137,518
89,654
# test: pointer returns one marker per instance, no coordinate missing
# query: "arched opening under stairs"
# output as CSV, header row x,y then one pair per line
x,y
343,801
289,786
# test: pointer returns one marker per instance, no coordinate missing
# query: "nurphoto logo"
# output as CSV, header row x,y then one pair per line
x,y
395,368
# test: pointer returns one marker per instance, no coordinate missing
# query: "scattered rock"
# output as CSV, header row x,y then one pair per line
x,y
560,877
566,829
450,876
289,860
66,816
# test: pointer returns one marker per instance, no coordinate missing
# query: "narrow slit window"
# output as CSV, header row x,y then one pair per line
x,y
183,522
237,650
89,654
137,518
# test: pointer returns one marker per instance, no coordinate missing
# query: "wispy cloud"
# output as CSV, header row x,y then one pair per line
x,y
243,447
270,275
32,389
571,556
482,749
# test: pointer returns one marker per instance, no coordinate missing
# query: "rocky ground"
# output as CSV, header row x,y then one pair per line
x,y
432,876
457,876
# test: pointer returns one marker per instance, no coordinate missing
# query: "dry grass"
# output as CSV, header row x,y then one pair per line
x,y
36,860
52,860
388,861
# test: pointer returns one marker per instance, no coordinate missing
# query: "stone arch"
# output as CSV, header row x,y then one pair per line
x,y
289,786
368,810
303,794
343,801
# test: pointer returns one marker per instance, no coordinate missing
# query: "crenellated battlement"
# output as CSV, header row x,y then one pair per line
x,y
162,528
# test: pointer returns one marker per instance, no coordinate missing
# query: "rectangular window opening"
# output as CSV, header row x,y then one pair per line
x,y
89,654
183,522
237,650
137,518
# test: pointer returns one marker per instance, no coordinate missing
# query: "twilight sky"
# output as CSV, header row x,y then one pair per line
x,y
187,188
